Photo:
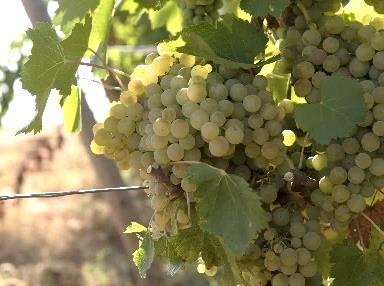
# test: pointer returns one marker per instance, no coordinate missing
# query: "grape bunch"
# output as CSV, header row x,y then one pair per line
x,y
176,110
378,5
198,11
315,46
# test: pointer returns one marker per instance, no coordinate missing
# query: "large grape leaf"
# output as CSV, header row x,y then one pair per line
x,y
135,227
232,41
350,266
341,108
52,65
143,256
169,16
227,206
71,12
264,7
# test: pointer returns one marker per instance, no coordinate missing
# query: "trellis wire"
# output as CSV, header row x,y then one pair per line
x,y
69,193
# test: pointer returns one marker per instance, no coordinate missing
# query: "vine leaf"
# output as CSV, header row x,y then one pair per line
x,y
227,206
354,268
232,41
72,110
341,108
144,255
47,68
264,7
135,227
151,4
71,12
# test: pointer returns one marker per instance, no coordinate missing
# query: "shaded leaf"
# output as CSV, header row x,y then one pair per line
x,y
232,41
341,108
352,267
260,8
143,256
227,206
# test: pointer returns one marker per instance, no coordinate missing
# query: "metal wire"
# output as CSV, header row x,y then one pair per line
x,y
69,193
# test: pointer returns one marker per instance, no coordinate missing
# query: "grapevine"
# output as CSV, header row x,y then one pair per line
x,y
252,186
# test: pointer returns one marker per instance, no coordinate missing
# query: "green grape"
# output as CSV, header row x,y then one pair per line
x,y
234,134
303,87
179,128
280,216
209,105
377,42
338,175
308,270
334,24
319,162
252,150
161,127
340,193
161,156
196,92
335,152
342,213
377,167
269,111
378,60
358,68
356,203
289,137
238,92
303,256
331,45
252,103
280,279
365,52
159,142
312,240
317,197
268,193
356,175
370,142
210,131
311,37
304,70
226,107
199,118
331,63
325,185
350,145
219,146
218,118
378,128
296,279
288,257
175,152
270,150
296,242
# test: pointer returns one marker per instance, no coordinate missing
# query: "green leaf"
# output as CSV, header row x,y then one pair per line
x,y
233,42
278,83
143,256
341,108
227,206
101,23
47,67
168,16
264,7
151,4
135,227
71,12
352,267
72,111
164,248
188,243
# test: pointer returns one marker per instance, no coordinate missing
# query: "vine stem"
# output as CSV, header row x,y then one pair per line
x,y
118,80
69,193
302,152
304,10
116,71
373,224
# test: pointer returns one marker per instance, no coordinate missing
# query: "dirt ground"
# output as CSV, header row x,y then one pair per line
x,y
66,241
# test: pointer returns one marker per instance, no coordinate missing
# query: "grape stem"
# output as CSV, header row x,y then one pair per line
x,y
114,75
116,71
304,10
373,224
302,152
